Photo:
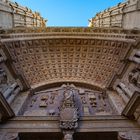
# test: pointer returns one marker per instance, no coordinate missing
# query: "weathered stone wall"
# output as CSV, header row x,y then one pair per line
x,y
125,15
14,15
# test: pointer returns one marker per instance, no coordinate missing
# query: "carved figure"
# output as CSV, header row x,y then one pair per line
x,y
134,77
68,97
83,100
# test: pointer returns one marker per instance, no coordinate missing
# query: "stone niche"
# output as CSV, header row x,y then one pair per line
x,y
49,102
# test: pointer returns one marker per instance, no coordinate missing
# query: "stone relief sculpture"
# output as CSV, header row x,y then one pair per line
x,y
68,97
134,77
68,110
52,101
68,113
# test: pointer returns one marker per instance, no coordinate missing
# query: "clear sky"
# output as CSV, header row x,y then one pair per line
x,y
68,12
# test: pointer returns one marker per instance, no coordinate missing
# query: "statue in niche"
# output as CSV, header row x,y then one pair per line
x,y
134,77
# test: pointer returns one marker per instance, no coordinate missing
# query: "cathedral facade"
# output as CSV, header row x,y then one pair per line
x,y
68,83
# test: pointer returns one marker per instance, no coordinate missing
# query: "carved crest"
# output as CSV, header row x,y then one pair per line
x,y
68,112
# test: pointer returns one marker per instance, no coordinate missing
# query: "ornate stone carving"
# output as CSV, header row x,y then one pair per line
x,y
68,99
134,77
68,118
124,136
68,110
88,58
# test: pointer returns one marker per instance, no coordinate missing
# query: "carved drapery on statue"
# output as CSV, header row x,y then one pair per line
x,y
68,110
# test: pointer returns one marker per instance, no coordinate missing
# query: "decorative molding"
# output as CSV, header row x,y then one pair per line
x,y
107,123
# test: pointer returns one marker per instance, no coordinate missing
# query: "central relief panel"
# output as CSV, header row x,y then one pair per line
x,y
50,102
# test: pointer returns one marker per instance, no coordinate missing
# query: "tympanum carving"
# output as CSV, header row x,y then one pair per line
x,y
53,101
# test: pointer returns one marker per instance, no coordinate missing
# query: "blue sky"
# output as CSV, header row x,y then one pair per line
x,y
68,12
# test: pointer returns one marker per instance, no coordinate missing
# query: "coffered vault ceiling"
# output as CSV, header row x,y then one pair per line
x,y
84,59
